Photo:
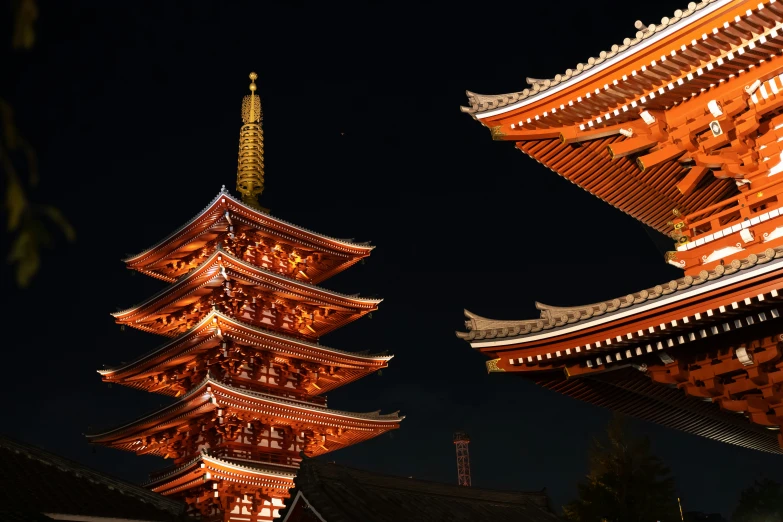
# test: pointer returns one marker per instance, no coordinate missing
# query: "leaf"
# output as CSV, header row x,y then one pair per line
x,y
18,247
25,15
59,219
39,231
15,202
24,253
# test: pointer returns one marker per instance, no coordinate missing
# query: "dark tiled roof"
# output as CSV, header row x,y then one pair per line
x,y
48,483
23,516
341,494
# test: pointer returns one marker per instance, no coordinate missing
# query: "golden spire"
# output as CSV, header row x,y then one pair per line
x,y
250,170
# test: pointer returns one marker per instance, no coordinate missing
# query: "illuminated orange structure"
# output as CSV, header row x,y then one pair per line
x,y
243,316
680,127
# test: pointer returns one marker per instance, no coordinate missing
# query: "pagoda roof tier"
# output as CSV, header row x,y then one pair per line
x,y
214,484
319,256
162,482
632,126
635,317
216,328
214,397
258,296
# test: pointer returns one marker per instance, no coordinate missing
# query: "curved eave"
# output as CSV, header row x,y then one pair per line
x,y
226,202
372,417
644,49
212,390
297,348
222,259
160,414
257,470
497,335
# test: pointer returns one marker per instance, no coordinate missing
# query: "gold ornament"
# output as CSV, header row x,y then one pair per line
x,y
492,366
497,134
250,168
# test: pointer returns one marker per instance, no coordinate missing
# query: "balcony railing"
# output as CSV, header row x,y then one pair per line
x,y
725,214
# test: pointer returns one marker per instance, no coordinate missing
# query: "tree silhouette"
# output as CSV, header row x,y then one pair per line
x,y
26,220
626,482
762,502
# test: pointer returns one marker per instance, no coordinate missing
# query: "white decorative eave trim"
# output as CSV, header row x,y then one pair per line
x,y
733,229
685,294
301,404
214,314
280,279
207,389
639,343
285,475
225,194
608,63
181,402
204,456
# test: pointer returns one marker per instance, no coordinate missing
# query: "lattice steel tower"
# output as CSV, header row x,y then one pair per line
x,y
461,441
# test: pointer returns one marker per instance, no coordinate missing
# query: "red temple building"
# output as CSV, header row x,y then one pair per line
x,y
681,127
242,317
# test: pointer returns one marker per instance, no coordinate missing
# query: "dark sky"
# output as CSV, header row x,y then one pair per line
x,y
135,111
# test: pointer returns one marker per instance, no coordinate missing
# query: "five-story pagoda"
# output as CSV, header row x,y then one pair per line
x,y
242,318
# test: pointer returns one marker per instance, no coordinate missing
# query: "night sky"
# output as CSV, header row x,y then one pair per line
x,y
134,110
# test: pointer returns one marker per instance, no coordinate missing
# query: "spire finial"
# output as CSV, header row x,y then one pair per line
x,y
250,172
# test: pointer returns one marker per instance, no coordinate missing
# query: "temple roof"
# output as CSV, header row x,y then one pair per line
x,y
39,481
619,127
254,272
188,345
559,319
218,474
341,494
213,272
627,390
21,516
683,355
480,103
211,395
225,207
253,468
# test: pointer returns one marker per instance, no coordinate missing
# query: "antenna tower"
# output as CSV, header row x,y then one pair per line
x,y
461,441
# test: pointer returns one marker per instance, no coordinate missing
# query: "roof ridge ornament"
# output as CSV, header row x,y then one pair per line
x,y
250,168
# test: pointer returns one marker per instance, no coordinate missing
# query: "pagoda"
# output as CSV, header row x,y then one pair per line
x,y
681,127
241,318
